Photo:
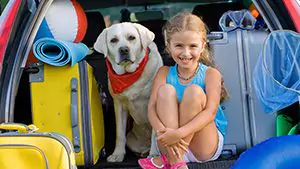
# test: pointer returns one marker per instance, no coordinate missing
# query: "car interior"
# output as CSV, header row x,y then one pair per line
x,y
235,51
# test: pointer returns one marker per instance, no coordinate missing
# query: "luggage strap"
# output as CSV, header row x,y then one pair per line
x,y
21,128
74,115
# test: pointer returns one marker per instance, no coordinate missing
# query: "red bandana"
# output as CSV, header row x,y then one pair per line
x,y
121,82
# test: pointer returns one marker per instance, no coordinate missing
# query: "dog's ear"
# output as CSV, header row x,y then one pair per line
x,y
101,43
146,35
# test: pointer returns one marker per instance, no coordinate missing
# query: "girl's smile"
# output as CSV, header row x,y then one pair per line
x,y
186,48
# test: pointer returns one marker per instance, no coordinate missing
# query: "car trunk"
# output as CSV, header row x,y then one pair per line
x,y
239,140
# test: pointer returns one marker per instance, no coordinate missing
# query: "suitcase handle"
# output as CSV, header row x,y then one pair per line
x,y
74,114
21,128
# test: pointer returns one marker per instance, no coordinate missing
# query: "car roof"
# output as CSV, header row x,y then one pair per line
x,y
92,4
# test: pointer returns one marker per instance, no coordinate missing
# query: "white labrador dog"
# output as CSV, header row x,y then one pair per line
x,y
132,60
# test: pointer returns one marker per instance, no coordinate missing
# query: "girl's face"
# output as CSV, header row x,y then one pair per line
x,y
185,48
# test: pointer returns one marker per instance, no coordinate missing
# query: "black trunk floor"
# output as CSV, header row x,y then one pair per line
x,y
130,162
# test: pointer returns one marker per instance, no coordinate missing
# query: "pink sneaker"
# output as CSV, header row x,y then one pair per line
x,y
148,163
175,166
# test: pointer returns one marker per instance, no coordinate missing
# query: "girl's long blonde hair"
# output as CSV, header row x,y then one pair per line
x,y
187,21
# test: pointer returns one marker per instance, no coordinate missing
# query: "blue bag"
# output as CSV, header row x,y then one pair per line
x,y
276,75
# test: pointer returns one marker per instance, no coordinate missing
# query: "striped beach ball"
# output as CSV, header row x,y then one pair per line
x,y
65,20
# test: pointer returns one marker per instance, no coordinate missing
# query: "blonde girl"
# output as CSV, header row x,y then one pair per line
x,y
184,104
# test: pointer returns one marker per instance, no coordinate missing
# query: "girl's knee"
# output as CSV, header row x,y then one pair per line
x,y
195,94
166,92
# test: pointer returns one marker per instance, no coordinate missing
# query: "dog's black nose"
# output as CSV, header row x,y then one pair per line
x,y
124,50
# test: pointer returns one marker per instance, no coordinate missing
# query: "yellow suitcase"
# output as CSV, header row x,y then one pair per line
x,y
23,148
66,100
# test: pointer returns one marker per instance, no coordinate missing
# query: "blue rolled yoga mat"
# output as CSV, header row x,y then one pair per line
x,y
59,53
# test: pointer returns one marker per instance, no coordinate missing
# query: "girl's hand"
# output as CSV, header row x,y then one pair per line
x,y
158,133
177,148
168,136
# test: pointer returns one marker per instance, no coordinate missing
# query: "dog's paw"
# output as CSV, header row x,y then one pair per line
x,y
115,158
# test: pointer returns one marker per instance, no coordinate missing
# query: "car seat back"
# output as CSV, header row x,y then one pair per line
x,y
156,27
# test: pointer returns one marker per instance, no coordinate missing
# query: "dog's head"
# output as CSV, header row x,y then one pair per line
x,y
124,45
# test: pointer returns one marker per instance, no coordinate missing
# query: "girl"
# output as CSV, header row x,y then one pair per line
x,y
184,104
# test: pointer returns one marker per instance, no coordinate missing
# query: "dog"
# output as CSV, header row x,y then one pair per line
x,y
132,60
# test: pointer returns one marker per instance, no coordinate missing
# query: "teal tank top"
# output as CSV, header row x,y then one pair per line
x,y
199,79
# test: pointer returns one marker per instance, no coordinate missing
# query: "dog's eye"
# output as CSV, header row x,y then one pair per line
x,y
114,40
131,38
